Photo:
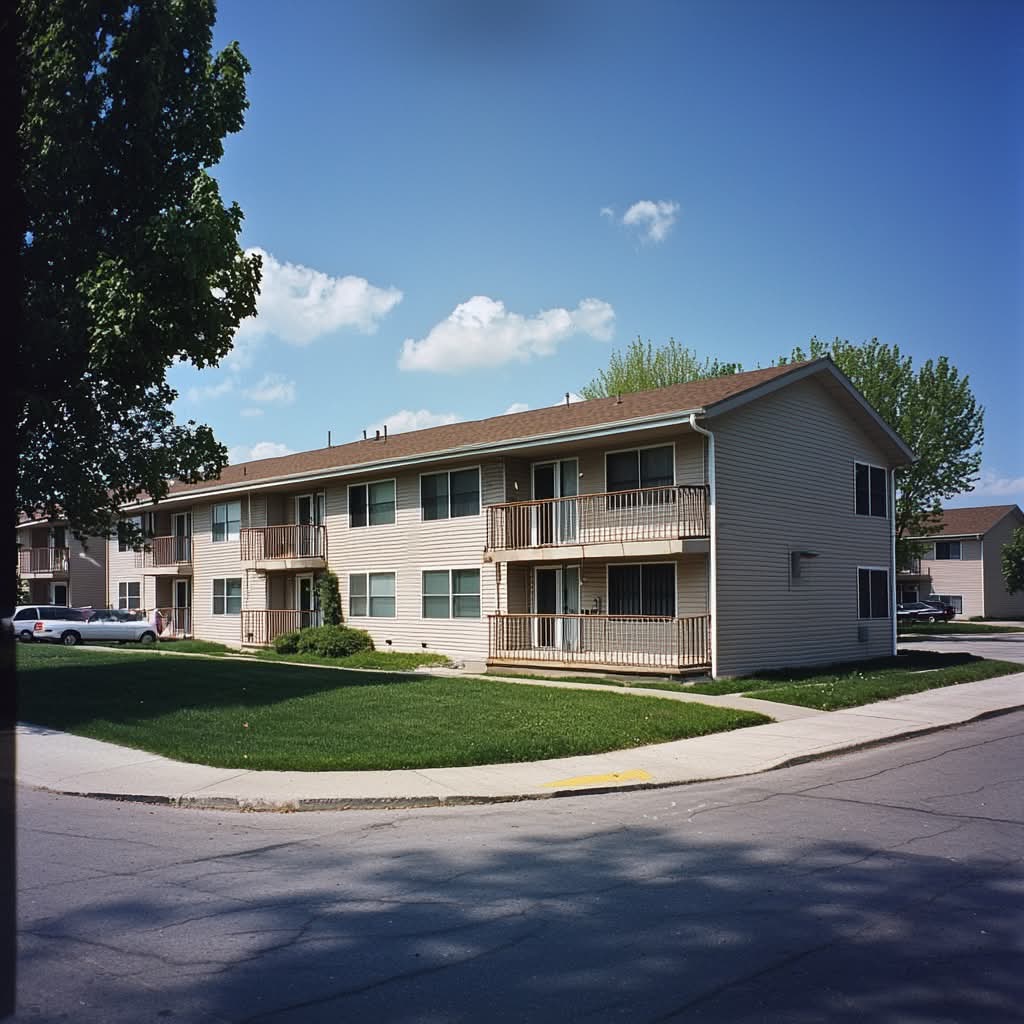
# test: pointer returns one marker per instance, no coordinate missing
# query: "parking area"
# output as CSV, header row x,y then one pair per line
x,y
1002,646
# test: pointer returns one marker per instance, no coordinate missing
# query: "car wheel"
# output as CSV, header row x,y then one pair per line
x,y
147,638
25,637
933,618
70,639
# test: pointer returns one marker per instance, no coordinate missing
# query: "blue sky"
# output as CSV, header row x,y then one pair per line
x,y
464,207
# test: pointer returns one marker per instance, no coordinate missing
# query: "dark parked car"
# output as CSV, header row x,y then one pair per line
x,y
921,611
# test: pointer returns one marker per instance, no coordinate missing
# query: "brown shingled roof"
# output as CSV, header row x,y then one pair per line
x,y
512,426
972,522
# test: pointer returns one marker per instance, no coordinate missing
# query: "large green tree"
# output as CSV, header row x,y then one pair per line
x,y
130,259
1013,561
640,367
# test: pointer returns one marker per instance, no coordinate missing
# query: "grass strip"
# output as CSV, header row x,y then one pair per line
x,y
628,684
385,661
244,714
952,628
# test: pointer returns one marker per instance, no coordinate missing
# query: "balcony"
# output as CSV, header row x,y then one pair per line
x,y
626,643
40,562
295,546
169,556
646,521
914,571
176,623
260,626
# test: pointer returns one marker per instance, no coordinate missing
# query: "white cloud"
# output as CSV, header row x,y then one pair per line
x,y
251,411
299,304
516,407
993,485
482,333
274,387
260,450
573,397
414,419
607,211
654,220
201,393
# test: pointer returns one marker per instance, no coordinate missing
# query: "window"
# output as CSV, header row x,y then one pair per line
x,y
371,504
227,596
451,594
956,600
873,593
450,495
227,521
642,590
872,490
129,595
640,467
372,594
948,549
122,543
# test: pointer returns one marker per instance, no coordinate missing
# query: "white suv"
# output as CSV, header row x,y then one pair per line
x,y
43,621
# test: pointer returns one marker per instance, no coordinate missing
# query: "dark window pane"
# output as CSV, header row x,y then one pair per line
x,y
623,471
465,486
879,594
658,590
864,593
656,467
878,490
624,590
25,613
863,502
357,506
382,503
434,496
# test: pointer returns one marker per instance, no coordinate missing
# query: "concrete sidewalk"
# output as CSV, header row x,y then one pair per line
x,y
63,763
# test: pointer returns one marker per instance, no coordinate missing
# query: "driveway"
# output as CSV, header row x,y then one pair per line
x,y
1003,646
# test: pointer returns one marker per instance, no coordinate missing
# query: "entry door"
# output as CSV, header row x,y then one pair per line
x,y
570,606
182,531
309,511
555,521
306,601
59,593
182,606
547,599
58,539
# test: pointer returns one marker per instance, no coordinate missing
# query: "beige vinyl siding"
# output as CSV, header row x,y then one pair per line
x,y
121,568
785,482
88,572
963,576
407,547
998,602
221,561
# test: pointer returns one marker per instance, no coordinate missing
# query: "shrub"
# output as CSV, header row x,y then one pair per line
x,y
287,643
330,599
333,641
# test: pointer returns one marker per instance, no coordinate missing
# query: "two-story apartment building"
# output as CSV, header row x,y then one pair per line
x,y
57,567
962,563
724,525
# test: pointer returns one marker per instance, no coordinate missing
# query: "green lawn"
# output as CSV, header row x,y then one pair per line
x,y
641,683
243,714
386,661
830,688
929,628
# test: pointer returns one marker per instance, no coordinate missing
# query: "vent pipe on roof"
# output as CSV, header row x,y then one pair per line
x,y
385,431
567,399
618,398
328,439
377,438
364,435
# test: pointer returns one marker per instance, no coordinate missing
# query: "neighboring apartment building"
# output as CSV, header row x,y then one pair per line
x,y
728,525
962,564
57,567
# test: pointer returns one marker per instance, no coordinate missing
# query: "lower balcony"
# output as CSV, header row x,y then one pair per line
x,y
623,643
42,562
293,546
170,556
261,626
175,623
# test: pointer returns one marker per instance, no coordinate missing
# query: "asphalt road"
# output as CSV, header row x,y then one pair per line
x,y
1001,646
885,886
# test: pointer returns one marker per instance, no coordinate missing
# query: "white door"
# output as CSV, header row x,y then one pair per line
x,y
307,601
182,609
309,512
570,638
555,521
182,532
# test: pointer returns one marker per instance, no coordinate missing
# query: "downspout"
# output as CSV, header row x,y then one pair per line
x,y
713,568
892,555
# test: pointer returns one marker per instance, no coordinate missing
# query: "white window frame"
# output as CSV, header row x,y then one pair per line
x,y
123,545
227,538
125,602
224,596
451,595
368,597
368,484
949,599
888,590
950,558
888,496
457,469
623,565
639,448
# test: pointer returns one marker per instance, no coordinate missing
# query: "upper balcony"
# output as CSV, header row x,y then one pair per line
x,y
646,521
166,556
295,546
914,571
41,562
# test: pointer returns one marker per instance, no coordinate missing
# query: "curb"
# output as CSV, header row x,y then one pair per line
x,y
256,805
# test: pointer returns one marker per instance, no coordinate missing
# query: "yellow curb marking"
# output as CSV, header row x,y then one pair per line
x,y
633,775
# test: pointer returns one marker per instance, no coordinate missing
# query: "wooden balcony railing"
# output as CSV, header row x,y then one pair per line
x,y
161,552
623,641
913,568
262,625
650,513
55,560
262,543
